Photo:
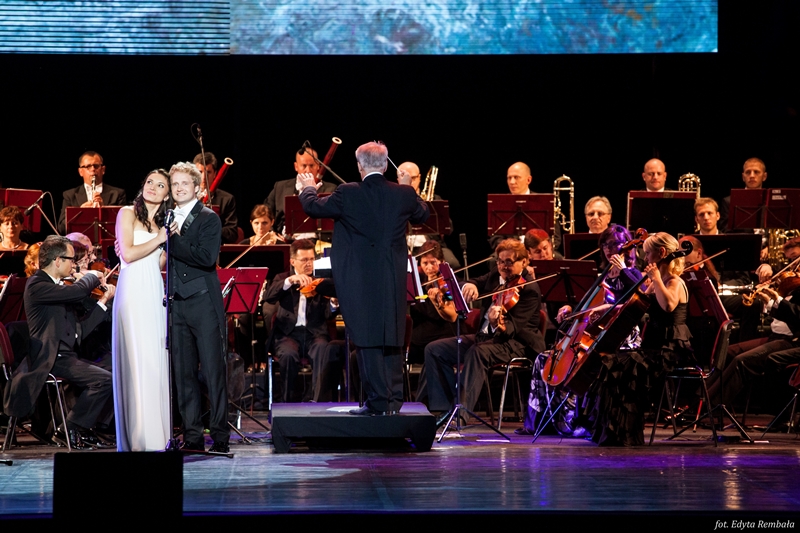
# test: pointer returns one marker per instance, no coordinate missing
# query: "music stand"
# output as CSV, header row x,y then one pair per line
x,y
12,299
274,257
747,208
439,221
97,223
22,198
743,253
573,280
669,211
515,214
782,209
580,244
241,289
297,221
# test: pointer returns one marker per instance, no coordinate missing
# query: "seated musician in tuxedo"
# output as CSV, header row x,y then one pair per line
x,y
94,192
225,200
655,176
55,337
415,242
754,174
304,163
518,179
598,214
768,356
502,334
707,217
300,326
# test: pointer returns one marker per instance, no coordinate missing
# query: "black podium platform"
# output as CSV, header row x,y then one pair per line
x,y
330,425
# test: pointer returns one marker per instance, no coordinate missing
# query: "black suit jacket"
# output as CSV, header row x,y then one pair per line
x,y
54,329
193,256
276,200
522,320
318,309
369,256
77,196
227,212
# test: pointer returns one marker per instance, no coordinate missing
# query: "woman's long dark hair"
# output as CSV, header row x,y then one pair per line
x,y
615,232
141,210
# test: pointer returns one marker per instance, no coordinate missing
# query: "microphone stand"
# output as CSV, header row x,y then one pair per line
x,y
463,240
320,163
172,444
37,206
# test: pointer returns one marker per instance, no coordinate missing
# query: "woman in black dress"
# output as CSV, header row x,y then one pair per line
x,y
622,391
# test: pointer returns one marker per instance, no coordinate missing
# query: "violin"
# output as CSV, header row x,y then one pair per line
x,y
784,282
506,299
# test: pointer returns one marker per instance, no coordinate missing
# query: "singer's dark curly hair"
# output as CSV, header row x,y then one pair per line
x,y
141,210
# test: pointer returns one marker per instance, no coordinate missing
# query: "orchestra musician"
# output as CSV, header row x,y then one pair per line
x,y
262,220
502,334
706,214
598,214
620,395
754,174
304,163
11,221
518,179
300,328
55,335
369,260
766,356
655,175
94,192
225,200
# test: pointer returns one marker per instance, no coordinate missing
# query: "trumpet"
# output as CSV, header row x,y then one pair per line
x,y
559,218
689,183
430,184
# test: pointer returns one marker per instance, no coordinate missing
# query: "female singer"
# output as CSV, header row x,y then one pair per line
x,y
11,221
261,219
141,387
621,393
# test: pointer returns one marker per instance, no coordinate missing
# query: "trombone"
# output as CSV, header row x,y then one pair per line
x,y
430,184
559,218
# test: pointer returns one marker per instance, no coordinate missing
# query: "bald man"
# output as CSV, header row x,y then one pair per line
x,y
415,242
655,175
519,179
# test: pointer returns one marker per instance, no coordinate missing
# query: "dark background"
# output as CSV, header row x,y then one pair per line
x,y
594,118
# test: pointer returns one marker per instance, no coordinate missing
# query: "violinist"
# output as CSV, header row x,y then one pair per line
x,y
506,331
11,221
620,396
261,220
767,354
300,328
697,260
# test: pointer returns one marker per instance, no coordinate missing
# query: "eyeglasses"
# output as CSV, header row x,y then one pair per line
x,y
305,260
612,245
596,214
508,262
92,165
67,258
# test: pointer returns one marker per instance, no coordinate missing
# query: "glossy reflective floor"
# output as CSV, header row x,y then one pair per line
x,y
474,471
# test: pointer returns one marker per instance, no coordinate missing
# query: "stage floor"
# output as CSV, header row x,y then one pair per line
x,y
471,472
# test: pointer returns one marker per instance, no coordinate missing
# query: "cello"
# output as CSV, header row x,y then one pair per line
x,y
566,349
607,333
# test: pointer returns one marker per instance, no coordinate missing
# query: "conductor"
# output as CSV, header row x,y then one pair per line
x,y
369,260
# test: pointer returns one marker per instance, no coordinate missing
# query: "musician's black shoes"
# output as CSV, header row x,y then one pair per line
x,y
220,447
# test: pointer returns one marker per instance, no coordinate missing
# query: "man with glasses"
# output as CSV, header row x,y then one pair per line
x,y
93,192
300,328
502,334
598,214
55,338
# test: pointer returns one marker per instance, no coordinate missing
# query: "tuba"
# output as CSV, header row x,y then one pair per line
x,y
559,218
430,184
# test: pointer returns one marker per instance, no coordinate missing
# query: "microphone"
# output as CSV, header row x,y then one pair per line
x,y
33,205
169,218
302,149
462,237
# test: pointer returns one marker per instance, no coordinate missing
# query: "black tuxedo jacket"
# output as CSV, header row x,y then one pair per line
x,y
54,329
318,309
193,256
369,256
276,200
522,320
77,196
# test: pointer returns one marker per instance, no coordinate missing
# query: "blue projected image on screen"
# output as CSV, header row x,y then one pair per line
x,y
470,27
358,27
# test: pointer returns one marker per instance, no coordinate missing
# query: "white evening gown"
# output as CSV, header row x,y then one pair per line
x,y
141,386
